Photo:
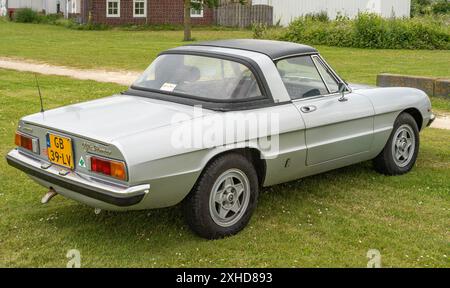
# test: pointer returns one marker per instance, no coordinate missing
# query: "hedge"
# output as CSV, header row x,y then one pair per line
x,y
365,31
27,15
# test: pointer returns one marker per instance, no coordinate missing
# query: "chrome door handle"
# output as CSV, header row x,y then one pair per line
x,y
308,109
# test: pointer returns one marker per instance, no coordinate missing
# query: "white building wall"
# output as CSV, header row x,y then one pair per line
x,y
37,5
71,6
3,8
287,10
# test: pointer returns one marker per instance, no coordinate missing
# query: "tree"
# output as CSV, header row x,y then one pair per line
x,y
198,4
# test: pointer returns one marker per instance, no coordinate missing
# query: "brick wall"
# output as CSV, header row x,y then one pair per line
x,y
158,12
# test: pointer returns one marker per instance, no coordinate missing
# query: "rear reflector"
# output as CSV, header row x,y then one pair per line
x,y
27,142
108,167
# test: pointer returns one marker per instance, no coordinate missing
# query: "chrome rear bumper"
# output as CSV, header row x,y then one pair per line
x,y
107,193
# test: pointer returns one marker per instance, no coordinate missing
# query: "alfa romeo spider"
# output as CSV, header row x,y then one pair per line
x,y
209,124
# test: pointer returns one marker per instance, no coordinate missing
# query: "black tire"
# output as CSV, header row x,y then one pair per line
x,y
197,204
385,162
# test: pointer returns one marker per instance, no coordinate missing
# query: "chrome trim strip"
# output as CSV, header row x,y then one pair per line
x,y
70,134
295,55
318,97
320,74
334,73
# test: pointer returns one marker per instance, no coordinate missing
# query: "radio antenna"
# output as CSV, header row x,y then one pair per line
x,y
39,90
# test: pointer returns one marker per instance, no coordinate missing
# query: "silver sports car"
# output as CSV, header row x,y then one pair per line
x,y
207,125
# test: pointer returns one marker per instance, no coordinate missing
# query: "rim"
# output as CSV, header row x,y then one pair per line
x,y
229,197
403,145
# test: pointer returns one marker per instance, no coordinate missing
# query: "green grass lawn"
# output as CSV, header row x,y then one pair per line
x,y
331,219
441,105
134,50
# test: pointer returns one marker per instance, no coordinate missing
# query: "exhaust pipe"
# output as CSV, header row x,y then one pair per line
x,y
47,197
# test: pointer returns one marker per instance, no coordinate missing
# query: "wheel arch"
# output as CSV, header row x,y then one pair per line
x,y
254,157
415,113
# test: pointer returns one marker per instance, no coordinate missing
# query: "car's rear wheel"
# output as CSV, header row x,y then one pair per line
x,y
224,198
400,153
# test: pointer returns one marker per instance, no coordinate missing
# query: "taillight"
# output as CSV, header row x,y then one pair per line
x,y
27,142
108,167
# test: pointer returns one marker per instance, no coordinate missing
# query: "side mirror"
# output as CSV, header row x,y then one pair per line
x,y
342,88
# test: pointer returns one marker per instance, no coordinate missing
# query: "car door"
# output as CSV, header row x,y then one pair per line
x,y
337,125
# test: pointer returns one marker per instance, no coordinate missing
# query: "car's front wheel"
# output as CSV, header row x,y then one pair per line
x,y
400,153
224,198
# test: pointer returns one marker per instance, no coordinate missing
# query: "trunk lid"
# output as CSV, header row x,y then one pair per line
x,y
110,118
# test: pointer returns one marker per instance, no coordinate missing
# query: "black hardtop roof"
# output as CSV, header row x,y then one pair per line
x,y
273,49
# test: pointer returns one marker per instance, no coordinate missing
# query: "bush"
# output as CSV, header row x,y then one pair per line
x,y
427,7
367,31
275,33
420,7
370,31
50,18
259,30
72,24
26,15
322,16
441,7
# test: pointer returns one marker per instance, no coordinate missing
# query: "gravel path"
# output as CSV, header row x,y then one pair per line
x,y
119,77
442,121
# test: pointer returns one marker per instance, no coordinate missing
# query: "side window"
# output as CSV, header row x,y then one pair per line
x,y
329,79
301,78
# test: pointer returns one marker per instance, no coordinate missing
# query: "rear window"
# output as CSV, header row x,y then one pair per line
x,y
200,76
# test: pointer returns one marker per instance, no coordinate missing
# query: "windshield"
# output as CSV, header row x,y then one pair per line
x,y
200,76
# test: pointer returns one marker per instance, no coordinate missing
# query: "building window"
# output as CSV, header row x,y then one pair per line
x,y
139,8
197,13
113,8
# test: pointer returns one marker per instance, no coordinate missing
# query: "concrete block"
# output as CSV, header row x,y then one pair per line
x,y
425,84
442,87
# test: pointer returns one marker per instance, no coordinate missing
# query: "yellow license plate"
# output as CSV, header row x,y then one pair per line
x,y
60,150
